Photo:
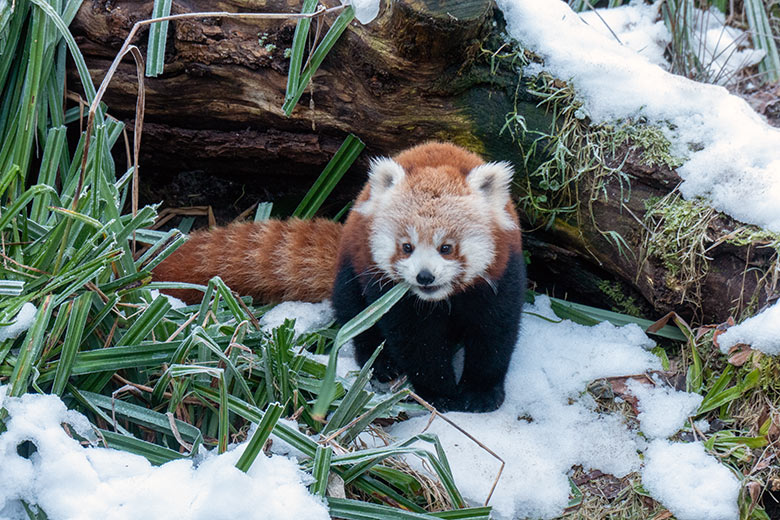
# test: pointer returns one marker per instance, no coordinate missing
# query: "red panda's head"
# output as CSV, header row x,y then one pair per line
x,y
433,224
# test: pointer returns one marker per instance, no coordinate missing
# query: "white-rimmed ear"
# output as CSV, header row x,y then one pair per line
x,y
492,181
383,176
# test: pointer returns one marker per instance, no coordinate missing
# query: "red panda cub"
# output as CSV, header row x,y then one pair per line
x,y
436,217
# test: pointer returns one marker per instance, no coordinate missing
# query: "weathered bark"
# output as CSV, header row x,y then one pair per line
x,y
583,257
417,72
411,75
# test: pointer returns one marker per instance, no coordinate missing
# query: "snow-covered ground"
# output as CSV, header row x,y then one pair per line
x,y
549,423
732,155
72,482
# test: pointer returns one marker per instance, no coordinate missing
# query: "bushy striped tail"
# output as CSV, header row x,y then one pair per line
x,y
271,261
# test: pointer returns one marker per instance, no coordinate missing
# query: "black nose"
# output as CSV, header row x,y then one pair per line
x,y
425,277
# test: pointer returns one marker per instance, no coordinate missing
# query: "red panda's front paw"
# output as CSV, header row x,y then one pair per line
x,y
472,401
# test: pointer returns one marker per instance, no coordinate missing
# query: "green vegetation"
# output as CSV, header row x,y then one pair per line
x,y
73,244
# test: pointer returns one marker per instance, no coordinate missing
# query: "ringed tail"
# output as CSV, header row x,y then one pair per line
x,y
271,261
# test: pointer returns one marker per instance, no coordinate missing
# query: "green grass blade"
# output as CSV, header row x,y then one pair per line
x,y
298,48
155,52
260,435
143,416
78,58
330,177
155,454
321,470
362,322
31,349
587,315
79,311
350,405
263,211
11,287
316,58
252,413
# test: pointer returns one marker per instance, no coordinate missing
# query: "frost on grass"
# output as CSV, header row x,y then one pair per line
x,y
690,483
761,332
548,423
67,480
20,323
662,410
733,156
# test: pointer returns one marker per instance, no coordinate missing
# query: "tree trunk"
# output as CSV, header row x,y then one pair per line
x,y
422,70
414,73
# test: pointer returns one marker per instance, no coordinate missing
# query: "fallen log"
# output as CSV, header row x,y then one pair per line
x,y
215,133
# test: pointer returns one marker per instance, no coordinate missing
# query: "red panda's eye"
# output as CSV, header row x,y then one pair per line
x,y
445,249
408,248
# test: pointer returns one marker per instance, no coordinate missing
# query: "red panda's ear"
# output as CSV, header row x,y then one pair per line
x,y
492,181
383,175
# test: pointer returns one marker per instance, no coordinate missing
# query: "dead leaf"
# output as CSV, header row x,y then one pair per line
x,y
739,354
754,489
720,329
663,515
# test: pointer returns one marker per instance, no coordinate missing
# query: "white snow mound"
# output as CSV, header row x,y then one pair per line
x,y
761,332
69,481
21,322
733,156
690,483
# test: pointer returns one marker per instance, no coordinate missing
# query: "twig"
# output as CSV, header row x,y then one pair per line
x,y
436,413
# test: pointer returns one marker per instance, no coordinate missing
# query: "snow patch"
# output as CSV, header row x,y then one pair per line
x,y
761,332
175,302
733,156
308,316
365,10
662,410
547,424
70,481
23,321
691,483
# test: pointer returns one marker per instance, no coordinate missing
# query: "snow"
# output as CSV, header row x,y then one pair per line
x,y
69,481
639,27
761,332
548,423
662,410
308,316
175,302
733,155
365,10
690,483
21,322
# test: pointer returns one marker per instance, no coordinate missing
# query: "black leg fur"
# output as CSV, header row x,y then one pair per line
x,y
422,337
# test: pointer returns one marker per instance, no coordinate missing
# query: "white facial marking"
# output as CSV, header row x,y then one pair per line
x,y
426,257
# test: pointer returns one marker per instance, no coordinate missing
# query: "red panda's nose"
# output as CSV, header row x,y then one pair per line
x,y
425,277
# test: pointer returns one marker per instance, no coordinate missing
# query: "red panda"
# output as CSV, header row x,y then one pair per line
x,y
436,217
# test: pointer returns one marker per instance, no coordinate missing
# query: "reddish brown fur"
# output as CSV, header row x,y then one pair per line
x,y
297,260
456,163
271,261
